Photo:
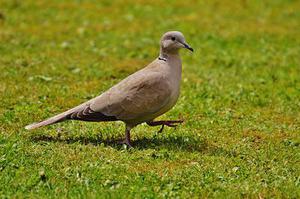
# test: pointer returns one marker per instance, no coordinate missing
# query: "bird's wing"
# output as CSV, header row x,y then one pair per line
x,y
85,113
143,93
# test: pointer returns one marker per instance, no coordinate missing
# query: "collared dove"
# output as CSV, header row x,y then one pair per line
x,y
141,97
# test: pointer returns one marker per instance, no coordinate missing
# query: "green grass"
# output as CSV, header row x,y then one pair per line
x,y
240,99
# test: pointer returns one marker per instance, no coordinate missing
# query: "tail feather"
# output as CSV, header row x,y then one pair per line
x,y
57,118
52,120
82,112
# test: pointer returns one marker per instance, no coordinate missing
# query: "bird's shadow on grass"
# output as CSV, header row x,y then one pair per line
x,y
172,143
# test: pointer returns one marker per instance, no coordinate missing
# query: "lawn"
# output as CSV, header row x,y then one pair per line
x,y
240,99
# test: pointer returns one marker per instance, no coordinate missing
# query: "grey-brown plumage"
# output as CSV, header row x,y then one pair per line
x,y
141,97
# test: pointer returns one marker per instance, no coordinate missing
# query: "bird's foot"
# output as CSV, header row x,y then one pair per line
x,y
127,140
127,143
169,123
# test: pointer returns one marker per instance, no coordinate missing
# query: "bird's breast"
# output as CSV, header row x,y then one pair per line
x,y
174,79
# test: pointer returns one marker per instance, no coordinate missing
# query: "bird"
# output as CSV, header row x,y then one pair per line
x,y
139,98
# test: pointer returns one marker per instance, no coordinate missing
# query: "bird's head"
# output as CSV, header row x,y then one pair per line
x,y
172,41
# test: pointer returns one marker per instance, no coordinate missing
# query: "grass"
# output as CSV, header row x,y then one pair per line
x,y
240,99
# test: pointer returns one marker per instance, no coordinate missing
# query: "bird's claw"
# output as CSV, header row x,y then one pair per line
x,y
161,129
125,142
169,123
173,123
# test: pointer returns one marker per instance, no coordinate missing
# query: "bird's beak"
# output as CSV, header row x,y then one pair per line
x,y
187,47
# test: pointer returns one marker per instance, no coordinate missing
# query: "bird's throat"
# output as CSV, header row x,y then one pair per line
x,y
164,52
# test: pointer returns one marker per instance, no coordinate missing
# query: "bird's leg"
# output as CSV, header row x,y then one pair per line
x,y
127,140
169,123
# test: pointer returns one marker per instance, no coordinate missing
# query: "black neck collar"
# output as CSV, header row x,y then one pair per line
x,y
161,58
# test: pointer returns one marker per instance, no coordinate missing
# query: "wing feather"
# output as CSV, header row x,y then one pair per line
x,y
87,114
137,96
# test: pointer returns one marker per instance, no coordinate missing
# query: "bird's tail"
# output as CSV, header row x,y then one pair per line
x,y
57,118
52,120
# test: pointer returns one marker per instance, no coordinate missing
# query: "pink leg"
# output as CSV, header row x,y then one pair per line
x,y
127,140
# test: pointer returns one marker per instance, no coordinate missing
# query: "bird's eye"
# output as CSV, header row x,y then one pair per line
x,y
173,38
